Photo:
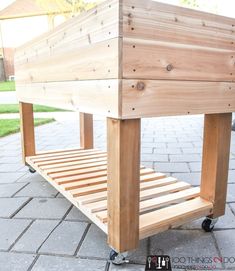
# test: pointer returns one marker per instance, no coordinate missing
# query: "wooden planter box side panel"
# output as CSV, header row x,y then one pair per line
x,y
176,61
172,43
82,49
131,59
75,66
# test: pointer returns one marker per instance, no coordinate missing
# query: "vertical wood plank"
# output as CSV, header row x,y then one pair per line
x,y
123,183
27,130
215,162
86,131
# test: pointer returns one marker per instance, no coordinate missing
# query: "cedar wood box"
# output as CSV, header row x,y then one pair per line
x,y
130,59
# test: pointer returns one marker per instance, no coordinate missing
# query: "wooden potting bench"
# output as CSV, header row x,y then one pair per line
x,y
129,60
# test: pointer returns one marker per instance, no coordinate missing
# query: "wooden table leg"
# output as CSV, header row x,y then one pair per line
x,y
27,130
215,163
123,183
86,131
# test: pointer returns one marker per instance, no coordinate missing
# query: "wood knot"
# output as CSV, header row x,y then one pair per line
x,y
169,67
140,86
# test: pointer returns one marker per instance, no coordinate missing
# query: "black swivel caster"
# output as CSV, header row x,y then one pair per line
x,y
208,224
31,170
117,258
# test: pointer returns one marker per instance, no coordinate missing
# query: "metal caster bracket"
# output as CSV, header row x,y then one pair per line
x,y
118,258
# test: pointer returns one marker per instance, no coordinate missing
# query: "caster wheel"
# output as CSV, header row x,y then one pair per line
x,y
117,258
31,170
208,224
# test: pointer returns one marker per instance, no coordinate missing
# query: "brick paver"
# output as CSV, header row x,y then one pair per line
x,y
45,208
183,245
17,262
40,230
10,206
46,263
11,230
65,239
37,233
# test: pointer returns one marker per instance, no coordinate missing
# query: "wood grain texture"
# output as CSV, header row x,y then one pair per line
x,y
86,131
75,95
86,47
100,208
185,202
89,21
27,130
150,20
215,162
146,59
162,41
96,61
123,183
172,216
158,60
150,98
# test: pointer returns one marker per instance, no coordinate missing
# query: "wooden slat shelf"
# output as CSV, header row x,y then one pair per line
x,y
81,176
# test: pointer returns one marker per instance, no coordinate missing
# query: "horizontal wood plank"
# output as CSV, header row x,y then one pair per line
x,y
150,98
173,216
66,164
72,159
65,155
75,167
75,95
76,172
54,152
96,61
148,6
176,25
146,59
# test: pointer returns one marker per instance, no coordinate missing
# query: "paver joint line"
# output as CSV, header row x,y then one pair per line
x,y
20,190
82,239
18,210
22,233
48,236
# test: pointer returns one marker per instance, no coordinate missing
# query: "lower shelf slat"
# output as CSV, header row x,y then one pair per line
x,y
173,216
81,176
